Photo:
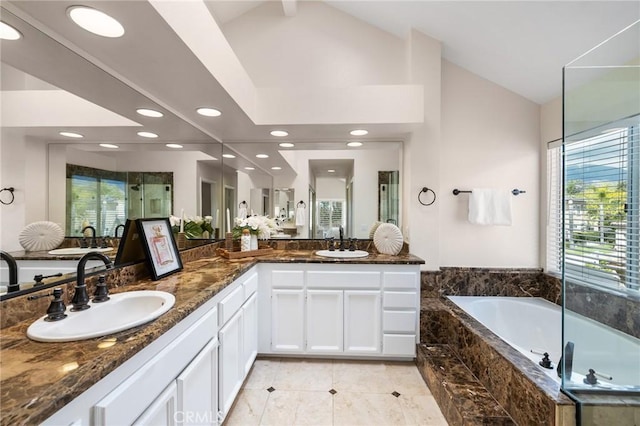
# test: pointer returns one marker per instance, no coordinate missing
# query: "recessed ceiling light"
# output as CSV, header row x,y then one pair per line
x,y
286,145
331,171
149,112
279,133
147,135
358,132
208,112
228,156
71,135
262,156
174,145
276,168
95,21
7,32
354,144
249,168
109,145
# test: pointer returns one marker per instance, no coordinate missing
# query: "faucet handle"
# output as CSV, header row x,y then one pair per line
x,y
56,309
102,292
80,299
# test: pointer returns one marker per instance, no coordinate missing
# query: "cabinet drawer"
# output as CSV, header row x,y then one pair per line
x,y
401,280
397,299
128,400
343,279
399,321
287,279
399,344
230,304
250,286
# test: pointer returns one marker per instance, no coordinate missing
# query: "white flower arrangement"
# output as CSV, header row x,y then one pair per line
x,y
194,227
262,226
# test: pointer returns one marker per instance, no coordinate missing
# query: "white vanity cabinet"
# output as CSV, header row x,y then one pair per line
x,y
238,338
189,375
338,310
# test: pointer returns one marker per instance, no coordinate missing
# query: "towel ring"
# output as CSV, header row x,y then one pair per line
x,y
242,204
425,189
13,196
301,204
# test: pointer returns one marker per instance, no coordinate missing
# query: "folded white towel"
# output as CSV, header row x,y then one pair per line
x,y
242,212
490,207
300,216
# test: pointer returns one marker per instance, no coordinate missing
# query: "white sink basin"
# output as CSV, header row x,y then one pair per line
x,y
121,312
342,254
77,250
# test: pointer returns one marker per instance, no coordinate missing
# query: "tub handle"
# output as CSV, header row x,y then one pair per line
x,y
591,379
538,351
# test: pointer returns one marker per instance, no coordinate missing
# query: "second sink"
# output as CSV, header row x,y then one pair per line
x,y
123,311
342,254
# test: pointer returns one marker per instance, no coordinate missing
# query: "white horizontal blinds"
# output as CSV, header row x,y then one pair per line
x,y
554,209
601,209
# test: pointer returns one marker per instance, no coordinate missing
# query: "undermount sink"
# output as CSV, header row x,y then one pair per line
x,y
342,254
78,250
121,312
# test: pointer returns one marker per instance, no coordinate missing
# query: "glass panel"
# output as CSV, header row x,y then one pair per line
x,y
601,301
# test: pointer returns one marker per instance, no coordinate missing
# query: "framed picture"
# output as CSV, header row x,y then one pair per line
x,y
159,246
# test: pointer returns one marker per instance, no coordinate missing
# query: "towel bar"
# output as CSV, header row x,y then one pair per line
x,y
516,191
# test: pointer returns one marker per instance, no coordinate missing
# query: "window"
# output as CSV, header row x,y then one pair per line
x,y
330,216
600,209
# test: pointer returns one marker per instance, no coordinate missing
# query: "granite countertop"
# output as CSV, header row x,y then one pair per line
x,y
37,379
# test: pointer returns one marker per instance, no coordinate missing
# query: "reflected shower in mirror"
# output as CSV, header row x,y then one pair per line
x,y
388,196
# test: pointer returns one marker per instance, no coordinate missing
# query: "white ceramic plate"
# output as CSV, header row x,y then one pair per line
x,y
39,236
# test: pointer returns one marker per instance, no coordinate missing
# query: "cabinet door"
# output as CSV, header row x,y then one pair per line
x,y
287,320
324,321
162,411
231,367
362,317
250,332
197,388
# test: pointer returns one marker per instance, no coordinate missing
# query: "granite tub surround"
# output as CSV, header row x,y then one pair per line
x,y
527,394
38,379
462,281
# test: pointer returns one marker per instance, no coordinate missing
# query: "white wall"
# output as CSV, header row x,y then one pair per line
x,y
490,139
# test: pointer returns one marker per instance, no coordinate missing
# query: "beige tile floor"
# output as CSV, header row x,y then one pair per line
x,y
363,393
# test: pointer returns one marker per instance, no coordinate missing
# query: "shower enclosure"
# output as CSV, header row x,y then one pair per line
x,y
601,231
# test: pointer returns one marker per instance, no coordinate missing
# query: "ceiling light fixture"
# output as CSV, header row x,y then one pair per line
x,y
228,156
286,145
279,133
358,132
354,144
147,135
71,135
95,21
109,145
208,112
331,171
262,156
276,168
7,32
149,112
173,145
249,168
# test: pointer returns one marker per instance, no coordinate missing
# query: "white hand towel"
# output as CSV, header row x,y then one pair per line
x,y
300,216
242,212
490,207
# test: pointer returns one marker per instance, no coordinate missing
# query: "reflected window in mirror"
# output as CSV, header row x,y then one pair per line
x,y
105,199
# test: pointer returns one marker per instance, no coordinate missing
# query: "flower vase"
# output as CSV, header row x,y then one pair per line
x,y
254,242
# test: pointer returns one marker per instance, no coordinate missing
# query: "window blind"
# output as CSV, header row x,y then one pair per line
x,y
600,228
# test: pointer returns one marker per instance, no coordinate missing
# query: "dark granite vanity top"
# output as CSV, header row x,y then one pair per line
x,y
38,379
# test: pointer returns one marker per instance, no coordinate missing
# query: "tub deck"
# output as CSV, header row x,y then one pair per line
x,y
479,379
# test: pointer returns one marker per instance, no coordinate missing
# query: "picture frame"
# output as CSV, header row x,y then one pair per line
x,y
159,246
